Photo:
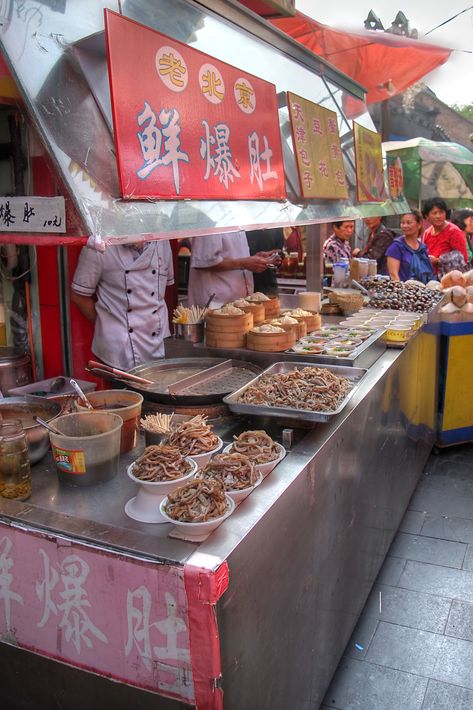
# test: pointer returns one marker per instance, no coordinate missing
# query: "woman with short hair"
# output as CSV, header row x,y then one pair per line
x,y
407,256
443,238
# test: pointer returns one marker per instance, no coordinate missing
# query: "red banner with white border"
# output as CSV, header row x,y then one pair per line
x,y
187,125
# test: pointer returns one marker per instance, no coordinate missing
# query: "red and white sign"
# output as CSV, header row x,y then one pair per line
x,y
187,125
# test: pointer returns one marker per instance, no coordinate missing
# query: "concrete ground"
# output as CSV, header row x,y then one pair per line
x,y
413,646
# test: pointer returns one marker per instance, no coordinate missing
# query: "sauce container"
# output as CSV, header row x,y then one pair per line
x,y
88,449
126,404
15,475
398,333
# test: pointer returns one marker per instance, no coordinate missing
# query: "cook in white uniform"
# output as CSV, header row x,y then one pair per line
x,y
221,264
122,291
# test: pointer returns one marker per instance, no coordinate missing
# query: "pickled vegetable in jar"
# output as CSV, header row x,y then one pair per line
x,y
15,474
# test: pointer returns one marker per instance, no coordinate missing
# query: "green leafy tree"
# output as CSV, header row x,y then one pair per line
x,y
465,110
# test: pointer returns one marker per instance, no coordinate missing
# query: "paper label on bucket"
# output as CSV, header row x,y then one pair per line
x,y
69,461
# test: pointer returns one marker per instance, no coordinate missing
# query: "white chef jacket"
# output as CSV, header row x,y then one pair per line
x,y
227,285
132,317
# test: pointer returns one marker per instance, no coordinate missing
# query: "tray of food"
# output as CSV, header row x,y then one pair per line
x,y
335,345
297,390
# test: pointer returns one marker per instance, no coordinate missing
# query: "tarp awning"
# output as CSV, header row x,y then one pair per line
x,y
434,169
384,63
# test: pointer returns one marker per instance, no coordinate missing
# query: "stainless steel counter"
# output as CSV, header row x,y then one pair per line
x,y
96,513
303,550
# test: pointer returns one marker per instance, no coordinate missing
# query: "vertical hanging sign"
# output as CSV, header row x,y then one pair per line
x,y
370,185
317,149
187,125
395,177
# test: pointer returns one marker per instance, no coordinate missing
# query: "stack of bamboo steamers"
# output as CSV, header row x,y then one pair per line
x,y
257,324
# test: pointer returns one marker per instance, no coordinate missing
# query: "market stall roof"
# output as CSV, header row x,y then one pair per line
x,y
61,71
386,64
434,169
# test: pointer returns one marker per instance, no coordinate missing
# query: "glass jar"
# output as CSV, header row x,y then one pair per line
x,y
372,267
15,474
293,262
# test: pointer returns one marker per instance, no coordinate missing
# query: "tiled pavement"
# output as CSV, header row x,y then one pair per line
x,y
417,654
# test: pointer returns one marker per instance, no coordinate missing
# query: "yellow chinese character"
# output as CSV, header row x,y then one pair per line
x,y
246,92
169,64
210,84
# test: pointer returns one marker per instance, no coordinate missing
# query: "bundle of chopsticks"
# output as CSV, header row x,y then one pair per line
x,y
157,423
191,316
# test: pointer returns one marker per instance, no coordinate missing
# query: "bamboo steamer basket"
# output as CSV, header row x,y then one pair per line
x,y
272,307
313,322
225,340
223,331
257,311
299,328
270,342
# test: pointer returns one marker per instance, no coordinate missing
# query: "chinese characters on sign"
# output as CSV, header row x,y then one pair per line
x,y
32,214
317,149
187,125
130,623
395,177
369,165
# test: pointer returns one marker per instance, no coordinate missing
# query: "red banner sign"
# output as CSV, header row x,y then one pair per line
x,y
187,125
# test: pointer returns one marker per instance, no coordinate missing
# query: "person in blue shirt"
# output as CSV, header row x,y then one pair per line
x,y
407,256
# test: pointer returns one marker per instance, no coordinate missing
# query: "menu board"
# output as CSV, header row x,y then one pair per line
x,y
187,125
317,149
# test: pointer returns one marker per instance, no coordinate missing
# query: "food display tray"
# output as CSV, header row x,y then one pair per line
x,y
363,356
355,374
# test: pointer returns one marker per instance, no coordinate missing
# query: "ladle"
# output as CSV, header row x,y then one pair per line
x,y
47,426
81,394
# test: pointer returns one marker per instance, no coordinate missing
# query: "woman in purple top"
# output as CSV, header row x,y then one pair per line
x,y
407,257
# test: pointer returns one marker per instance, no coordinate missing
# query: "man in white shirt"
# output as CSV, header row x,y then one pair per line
x,y
122,292
221,264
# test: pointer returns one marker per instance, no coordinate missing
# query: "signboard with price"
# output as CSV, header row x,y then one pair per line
x,y
32,214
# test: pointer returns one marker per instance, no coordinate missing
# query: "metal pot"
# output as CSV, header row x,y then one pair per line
x,y
15,369
23,408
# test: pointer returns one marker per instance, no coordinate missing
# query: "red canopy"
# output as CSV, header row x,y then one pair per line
x,y
384,63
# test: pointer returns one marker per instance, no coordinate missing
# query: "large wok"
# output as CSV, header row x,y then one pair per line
x,y
165,373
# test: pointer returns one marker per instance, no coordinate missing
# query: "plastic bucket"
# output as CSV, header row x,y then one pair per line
x,y
88,449
126,404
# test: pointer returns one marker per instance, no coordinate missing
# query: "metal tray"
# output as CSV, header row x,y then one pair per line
x,y
355,374
363,356
167,374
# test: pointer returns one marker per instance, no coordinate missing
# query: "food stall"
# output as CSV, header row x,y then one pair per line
x,y
178,622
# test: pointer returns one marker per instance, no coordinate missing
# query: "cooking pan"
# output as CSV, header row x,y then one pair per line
x,y
165,373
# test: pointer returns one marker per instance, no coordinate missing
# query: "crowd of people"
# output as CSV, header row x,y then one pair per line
x,y
122,291
429,244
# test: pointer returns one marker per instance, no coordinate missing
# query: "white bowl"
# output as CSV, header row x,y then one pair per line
x,y
238,496
264,468
144,507
197,531
202,459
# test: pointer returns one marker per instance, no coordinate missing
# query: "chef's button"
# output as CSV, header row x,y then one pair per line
x,y
152,293
153,334
129,310
130,330
155,311
154,271
127,271
128,290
